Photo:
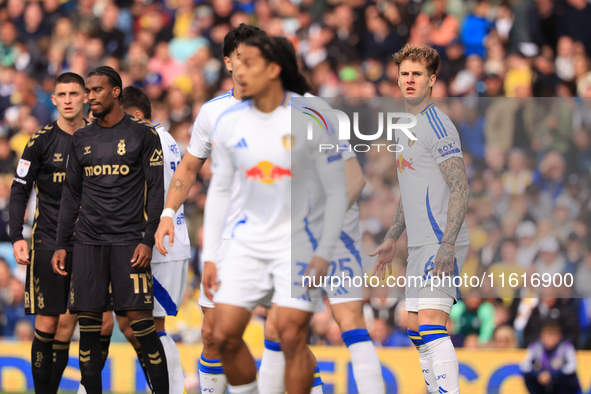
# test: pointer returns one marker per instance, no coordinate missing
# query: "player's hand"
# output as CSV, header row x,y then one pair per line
x,y
20,250
58,262
210,279
320,267
166,227
142,256
385,252
544,378
444,260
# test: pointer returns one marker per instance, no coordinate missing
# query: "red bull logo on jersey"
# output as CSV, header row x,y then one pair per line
x,y
403,164
267,172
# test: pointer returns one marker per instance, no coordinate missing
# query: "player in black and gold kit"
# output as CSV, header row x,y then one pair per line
x,y
114,186
43,166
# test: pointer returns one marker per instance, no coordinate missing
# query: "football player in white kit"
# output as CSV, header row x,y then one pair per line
x,y
211,375
434,196
346,301
278,167
169,272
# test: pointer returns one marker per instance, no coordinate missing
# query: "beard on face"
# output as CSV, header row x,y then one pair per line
x,y
103,112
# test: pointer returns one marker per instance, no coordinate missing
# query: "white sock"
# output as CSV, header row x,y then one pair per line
x,y
366,364
425,360
427,367
445,363
211,376
176,378
272,369
250,388
81,389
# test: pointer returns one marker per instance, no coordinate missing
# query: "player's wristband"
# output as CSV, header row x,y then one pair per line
x,y
167,213
443,242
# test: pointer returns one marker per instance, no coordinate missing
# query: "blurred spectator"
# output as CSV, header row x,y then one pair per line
x,y
508,267
551,363
24,331
550,261
165,66
528,247
8,48
472,315
504,338
549,178
475,29
13,310
583,276
565,311
517,177
112,38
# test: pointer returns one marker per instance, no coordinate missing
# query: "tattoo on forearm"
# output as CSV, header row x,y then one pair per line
x,y
178,184
398,224
454,173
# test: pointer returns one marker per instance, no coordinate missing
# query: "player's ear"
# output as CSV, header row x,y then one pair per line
x,y
432,79
116,92
228,63
138,114
274,70
53,100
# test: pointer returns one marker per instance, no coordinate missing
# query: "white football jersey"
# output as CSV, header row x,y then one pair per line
x,y
181,248
424,192
277,168
200,144
351,231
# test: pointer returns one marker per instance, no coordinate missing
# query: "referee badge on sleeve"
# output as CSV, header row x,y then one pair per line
x,y
23,168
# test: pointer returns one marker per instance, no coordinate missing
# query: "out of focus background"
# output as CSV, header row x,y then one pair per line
x,y
528,160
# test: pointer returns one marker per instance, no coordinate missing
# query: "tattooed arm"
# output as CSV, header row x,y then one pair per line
x,y
179,187
181,181
398,224
387,250
454,173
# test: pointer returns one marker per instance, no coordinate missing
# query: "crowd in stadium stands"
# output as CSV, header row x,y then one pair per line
x,y
527,160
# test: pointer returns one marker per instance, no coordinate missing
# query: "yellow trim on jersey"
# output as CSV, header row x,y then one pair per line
x,y
145,199
36,216
433,332
32,280
219,364
426,109
316,375
414,337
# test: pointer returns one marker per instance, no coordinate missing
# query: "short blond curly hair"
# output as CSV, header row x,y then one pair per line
x,y
422,53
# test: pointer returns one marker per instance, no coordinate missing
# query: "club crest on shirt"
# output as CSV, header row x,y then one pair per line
x,y
121,148
411,142
87,150
288,140
57,157
23,168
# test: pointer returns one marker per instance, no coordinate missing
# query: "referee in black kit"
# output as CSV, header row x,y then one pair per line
x,y
114,187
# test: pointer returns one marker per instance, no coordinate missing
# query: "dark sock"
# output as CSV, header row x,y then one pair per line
x,y
91,359
42,361
153,353
105,342
143,364
60,362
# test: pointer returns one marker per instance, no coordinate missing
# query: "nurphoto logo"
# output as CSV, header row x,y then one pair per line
x,y
344,129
